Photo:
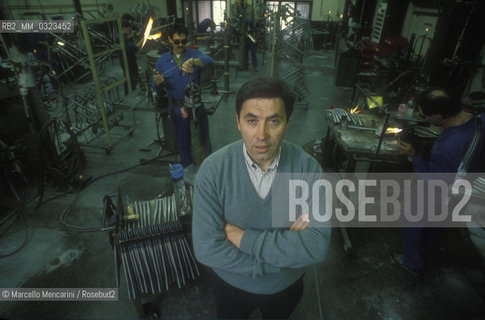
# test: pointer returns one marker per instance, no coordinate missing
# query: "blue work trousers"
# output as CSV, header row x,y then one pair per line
x,y
250,46
181,129
414,241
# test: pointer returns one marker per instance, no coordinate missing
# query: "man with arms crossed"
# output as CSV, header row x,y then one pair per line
x,y
254,264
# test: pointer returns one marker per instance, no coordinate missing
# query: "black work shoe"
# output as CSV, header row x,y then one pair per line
x,y
396,258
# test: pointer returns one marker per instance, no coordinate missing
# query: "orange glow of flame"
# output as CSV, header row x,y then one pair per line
x,y
154,36
148,29
393,130
354,110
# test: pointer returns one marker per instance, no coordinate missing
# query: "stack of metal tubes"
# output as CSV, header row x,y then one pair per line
x,y
337,115
84,111
290,43
71,57
154,251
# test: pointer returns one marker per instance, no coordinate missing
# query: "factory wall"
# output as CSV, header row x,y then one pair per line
x,y
327,10
421,22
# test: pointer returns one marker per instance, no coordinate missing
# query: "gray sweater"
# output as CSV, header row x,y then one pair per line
x,y
269,259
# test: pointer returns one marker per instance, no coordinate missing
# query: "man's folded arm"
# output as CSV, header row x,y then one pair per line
x,y
291,249
210,243
287,249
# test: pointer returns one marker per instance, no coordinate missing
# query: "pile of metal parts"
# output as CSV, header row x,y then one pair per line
x,y
153,249
84,111
290,42
340,115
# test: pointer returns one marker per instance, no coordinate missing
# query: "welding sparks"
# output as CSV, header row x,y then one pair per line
x,y
148,29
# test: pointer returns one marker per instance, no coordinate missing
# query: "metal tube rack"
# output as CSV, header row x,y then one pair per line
x,y
106,118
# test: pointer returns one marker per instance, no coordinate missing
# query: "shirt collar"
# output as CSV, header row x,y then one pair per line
x,y
253,165
182,54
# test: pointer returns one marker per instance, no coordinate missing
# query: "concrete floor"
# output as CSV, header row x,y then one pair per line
x,y
361,286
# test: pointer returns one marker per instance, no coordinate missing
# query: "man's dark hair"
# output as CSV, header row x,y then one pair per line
x,y
439,102
177,28
266,88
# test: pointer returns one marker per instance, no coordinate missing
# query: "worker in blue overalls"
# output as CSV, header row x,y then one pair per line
x,y
250,45
173,71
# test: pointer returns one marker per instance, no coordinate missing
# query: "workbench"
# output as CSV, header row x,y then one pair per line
x,y
361,145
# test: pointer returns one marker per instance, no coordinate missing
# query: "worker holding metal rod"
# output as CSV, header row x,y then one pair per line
x,y
172,75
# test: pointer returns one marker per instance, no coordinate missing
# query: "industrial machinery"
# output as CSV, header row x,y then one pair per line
x,y
193,101
37,136
151,246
